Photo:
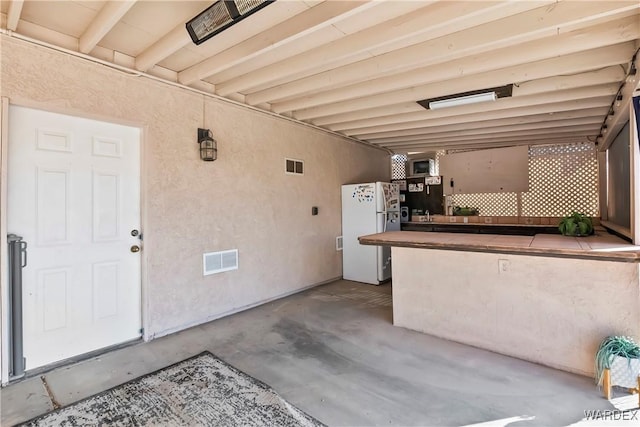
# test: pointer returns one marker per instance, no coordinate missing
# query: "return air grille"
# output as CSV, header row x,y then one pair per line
x,y
217,262
293,167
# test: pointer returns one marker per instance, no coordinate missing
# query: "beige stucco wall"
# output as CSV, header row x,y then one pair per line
x,y
243,200
553,311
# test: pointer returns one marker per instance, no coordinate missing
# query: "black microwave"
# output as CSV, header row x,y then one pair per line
x,y
420,167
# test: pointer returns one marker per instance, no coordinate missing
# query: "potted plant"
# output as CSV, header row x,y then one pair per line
x,y
617,363
465,211
576,224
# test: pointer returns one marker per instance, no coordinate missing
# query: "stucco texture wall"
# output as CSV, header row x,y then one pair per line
x,y
553,311
243,200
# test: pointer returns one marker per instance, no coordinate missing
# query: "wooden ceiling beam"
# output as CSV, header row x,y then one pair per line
x,y
168,44
107,18
178,40
489,138
444,18
550,84
572,105
531,102
529,26
523,56
320,16
611,74
496,129
495,144
567,64
13,14
547,119
591,130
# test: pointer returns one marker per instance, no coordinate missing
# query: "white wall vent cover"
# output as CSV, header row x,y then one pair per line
x,y
339,243
217,262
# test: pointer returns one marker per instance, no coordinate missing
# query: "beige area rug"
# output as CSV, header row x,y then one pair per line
x,y
202,390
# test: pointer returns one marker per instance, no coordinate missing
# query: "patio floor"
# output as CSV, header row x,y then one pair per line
x,y
333,352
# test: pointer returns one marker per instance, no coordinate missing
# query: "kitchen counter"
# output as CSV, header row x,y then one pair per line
x,y
600,246
480,228
549,299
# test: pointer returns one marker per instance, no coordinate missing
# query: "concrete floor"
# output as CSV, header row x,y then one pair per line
x,y
333,352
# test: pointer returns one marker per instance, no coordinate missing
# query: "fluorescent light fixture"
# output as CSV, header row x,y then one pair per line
x,y
463,100
483,95
220,16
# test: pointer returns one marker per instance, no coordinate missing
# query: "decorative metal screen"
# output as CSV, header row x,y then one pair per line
x,y
398,166
562,179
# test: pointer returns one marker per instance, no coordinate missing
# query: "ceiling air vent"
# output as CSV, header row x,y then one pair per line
x,y
217,262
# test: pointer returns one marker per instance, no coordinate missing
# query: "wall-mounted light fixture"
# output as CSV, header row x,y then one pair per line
x,y
465,98
208,145
220,16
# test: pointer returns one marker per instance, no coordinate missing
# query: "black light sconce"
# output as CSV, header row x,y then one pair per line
x,y
208,145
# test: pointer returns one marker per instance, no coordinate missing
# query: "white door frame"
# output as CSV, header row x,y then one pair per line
x,y
5,102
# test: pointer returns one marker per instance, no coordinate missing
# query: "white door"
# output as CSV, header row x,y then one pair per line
x,y
74,197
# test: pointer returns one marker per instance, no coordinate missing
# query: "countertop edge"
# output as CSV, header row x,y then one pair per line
x,y
378,240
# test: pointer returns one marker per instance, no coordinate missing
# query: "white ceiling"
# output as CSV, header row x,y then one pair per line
x,y
358,67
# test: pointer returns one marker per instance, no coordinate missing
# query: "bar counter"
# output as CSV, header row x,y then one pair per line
x,y
547,298
600,246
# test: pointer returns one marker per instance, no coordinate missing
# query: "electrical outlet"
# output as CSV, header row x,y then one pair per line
x,y
339,243
503,265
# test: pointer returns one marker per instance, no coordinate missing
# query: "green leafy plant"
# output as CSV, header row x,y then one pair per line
x,y
465,211
610,348
576,224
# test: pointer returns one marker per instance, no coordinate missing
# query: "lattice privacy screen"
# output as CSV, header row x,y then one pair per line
x,y
489,204
562,178
398,166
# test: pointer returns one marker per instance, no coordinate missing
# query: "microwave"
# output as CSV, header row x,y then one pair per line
x,y
420,166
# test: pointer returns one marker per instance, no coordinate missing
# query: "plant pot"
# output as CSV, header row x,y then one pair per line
x,y
625,372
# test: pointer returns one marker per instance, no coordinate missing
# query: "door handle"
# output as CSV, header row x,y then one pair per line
x,y
135,248
23,251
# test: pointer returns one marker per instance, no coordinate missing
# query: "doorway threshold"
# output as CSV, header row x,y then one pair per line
x,y
72,360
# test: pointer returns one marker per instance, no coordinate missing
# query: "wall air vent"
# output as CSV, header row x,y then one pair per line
x,y
293,167
217,262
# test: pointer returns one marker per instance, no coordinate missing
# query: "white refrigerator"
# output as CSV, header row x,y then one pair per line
x,y
368,208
